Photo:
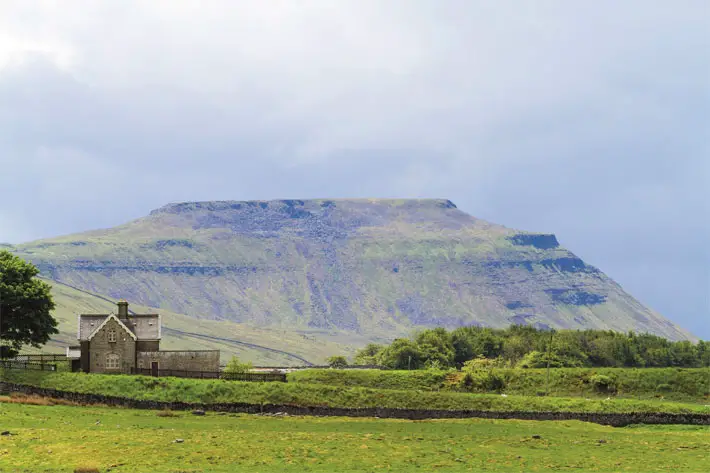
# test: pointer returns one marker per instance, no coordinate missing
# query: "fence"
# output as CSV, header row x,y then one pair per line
x,y
27,365
257,377
40,357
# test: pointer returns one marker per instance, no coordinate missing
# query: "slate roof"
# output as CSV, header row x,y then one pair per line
x,y
143,326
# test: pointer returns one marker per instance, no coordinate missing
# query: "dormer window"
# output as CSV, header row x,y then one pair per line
x,y
111,335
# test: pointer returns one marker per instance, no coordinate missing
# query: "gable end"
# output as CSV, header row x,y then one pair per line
x,y
121,324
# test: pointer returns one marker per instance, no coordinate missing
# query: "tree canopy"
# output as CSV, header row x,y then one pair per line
x,y
530,347
25,306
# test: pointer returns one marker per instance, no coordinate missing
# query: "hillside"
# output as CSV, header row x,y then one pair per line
x,y
367,268
258,345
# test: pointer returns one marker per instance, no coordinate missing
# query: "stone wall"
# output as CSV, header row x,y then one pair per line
x,y
188,360
613,419
100,347
147,345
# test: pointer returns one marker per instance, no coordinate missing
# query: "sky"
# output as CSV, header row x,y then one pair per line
x,y
587,119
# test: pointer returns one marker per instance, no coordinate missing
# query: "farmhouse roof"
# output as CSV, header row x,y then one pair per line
x,y
141,326
113,317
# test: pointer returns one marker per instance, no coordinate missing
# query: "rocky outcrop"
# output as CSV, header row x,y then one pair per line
x,y
541,241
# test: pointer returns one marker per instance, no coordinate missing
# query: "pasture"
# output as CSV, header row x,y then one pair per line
x,y
62,438
305,394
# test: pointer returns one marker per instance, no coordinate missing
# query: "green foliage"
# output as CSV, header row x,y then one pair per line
x,y
235,366
402,354
420,380
603,383
436,348
483,363
481,381
687,384
528,347
25,306
536,359
337,362
369,354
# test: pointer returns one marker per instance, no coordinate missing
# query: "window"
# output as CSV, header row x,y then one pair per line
x,y
111,335
112,361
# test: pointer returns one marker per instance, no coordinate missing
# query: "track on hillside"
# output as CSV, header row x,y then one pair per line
x,y
192,334
236,342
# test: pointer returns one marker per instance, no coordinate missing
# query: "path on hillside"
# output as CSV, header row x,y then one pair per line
x,y
191,334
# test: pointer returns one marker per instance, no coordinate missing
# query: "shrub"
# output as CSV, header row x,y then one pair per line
x,y
664,388
481,362
235,366
337,362
602,383
481,381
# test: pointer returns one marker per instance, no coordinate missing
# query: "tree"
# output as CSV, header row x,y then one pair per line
x,y
235,366
436,347
369,354
402,354
25,306
337,362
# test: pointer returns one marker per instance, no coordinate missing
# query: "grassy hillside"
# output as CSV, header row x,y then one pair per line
x,y
183,332
670,383
371,268
52,439
302,394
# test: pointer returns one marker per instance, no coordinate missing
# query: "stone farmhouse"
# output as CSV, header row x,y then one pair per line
x,y
127,342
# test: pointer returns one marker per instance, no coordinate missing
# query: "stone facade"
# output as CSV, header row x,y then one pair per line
x,y
119,343
196,360
121,347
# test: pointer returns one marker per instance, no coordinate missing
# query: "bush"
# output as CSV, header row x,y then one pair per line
x,y
337,362
235,366
602,383
664,388
481,381
481,362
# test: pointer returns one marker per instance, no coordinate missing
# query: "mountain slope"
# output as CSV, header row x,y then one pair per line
x,y
367,267
261,346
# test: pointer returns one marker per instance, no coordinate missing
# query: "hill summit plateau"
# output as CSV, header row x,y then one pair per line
x,y
372,267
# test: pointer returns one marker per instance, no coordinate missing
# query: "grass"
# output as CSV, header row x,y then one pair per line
x,y
302,394
679,384
53,439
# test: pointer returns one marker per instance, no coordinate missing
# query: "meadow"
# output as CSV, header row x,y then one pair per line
x,y
306,394
678,384
64,439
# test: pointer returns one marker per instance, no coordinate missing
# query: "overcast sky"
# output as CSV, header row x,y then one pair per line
x,y
588,119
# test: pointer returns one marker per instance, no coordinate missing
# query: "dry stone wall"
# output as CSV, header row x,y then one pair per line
x,y
613,419
195,360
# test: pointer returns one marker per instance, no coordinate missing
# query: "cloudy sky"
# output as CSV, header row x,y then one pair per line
x,y
588,119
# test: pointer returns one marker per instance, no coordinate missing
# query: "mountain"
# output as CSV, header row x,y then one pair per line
x,y
359,269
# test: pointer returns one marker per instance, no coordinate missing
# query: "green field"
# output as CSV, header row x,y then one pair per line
x,y
303,394
678,384
62,438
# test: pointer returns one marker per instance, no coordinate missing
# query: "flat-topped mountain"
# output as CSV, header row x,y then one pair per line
x,y
372,266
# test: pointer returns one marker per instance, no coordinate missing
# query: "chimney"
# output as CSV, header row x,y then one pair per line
x,y
122,309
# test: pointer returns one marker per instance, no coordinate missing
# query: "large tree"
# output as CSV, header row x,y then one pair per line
x,y
25,306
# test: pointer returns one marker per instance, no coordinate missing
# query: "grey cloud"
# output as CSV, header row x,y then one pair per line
x,y
587,119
